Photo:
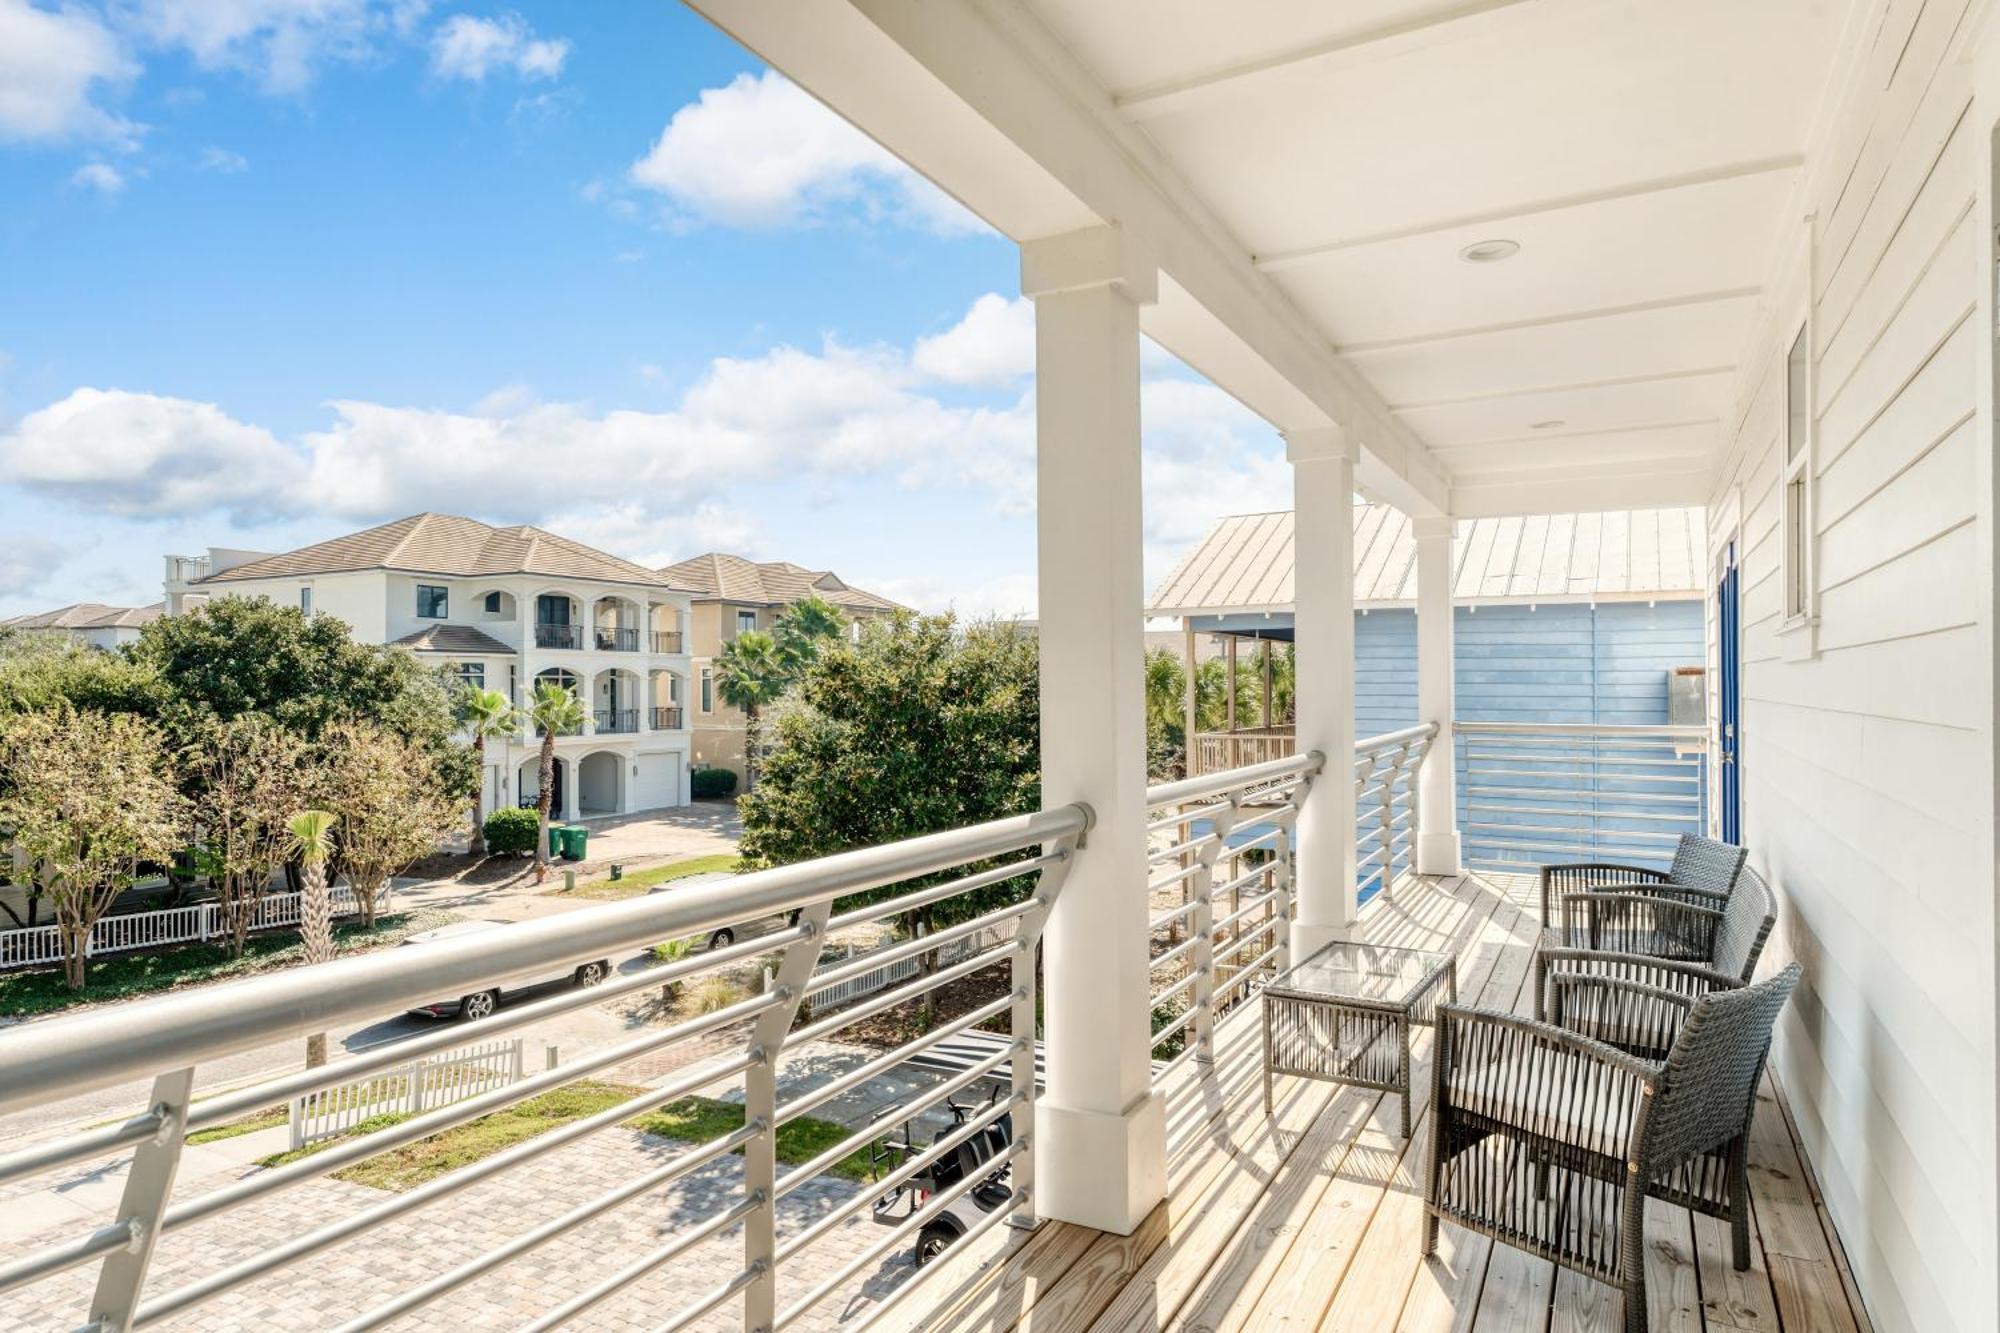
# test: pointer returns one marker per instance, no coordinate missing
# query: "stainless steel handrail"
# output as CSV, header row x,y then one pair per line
x,y
116,1044
175,1032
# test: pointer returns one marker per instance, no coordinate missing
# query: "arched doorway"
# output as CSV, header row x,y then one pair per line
x,y
600,784
528,779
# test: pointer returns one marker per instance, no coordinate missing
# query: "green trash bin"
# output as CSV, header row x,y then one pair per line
x,y
556,843
576,840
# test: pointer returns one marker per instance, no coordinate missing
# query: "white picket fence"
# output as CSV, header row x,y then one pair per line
x,y
38,946
881,978
421,1085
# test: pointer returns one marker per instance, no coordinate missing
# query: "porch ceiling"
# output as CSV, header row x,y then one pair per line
x,y
1643,156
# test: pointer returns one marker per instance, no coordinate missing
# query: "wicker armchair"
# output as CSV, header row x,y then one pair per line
x,y
1705,868
1551,1141
1670,921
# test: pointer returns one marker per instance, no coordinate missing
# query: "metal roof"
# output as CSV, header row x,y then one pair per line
x,y
1245,561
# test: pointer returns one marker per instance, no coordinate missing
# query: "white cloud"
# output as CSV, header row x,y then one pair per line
x,y
140,455
222,161
99,176
464,47
52,65
1007,597
652,485
992,347
761,152
27,563
281,43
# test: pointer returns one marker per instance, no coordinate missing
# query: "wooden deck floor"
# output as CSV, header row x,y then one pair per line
x,y
1312,1220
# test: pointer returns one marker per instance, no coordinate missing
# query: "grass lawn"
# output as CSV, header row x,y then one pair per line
x,y
249,1124
637,882
690,1120
126,976
699,1119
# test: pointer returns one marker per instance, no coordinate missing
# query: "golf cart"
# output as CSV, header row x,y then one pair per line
x,y
970,1158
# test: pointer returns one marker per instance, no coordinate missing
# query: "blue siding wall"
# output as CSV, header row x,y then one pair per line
x,y
1557,663
1563,663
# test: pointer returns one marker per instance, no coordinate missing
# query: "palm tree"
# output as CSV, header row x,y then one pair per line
x,y
803,628
312,844
751,673
488,715
555,710
1166,685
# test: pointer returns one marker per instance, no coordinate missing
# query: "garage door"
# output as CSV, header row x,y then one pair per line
x,y
658,783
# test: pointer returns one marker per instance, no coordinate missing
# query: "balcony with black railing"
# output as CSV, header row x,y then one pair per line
x,y
568,637
616,639
617,720
667,718
667,641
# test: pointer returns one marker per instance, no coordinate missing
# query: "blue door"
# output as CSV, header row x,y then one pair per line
x,y
1730,686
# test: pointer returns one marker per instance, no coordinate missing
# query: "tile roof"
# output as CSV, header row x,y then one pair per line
x,y
731,578
1245,561
88,615
454,639
451,545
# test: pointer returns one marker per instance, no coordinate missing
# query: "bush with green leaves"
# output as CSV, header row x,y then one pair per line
x,y
712,783
511,831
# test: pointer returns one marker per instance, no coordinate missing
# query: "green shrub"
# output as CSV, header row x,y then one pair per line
x,y
712,782
511,830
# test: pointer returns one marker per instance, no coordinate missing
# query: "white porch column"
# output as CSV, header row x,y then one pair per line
x,y
1101,1156
1437,783
1323,597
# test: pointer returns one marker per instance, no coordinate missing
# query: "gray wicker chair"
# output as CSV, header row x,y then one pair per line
x,y
1551,1141
1701,866
1673,922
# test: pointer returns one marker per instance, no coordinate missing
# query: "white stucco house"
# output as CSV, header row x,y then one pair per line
x,y
507,607
92,624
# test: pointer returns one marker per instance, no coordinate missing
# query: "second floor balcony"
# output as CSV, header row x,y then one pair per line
x,y
666,717
617,720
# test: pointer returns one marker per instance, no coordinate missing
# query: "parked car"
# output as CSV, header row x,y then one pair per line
x,y
724,936
480,1004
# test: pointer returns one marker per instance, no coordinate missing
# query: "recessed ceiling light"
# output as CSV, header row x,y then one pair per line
x,y
1550,424
1490,252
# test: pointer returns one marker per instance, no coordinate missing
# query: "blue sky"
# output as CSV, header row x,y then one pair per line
x,y
273,270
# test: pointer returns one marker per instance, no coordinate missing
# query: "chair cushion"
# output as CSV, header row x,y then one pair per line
x,y
1552,1095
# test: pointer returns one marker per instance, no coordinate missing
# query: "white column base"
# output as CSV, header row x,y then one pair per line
x,y
1308,940
1099,1170
1437,853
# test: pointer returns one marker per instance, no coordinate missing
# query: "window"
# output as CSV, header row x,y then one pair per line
x,y
433,602
306,600
472,675
746,621
492,603
1796,519
707,691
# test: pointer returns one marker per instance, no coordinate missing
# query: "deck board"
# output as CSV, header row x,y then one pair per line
x,y
1311,1222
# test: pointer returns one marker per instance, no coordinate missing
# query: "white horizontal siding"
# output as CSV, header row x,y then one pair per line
x,y
1868,765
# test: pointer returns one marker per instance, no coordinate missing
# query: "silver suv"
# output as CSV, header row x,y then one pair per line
x,y
479,1004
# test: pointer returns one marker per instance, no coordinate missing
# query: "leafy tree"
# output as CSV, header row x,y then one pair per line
x,y
391,808
804,627
312,844
1166,717
89,800
487,715
251,776
554,711
750,674
924,725
40,669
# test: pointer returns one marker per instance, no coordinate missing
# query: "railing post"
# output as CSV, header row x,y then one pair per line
x,y
1387,815
1281,860
1022,1021
1203,926
144,1202
760,1108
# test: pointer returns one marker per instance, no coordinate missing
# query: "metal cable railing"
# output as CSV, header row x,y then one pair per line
x,y
1221,844
1532,793
1385,796
167,1038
